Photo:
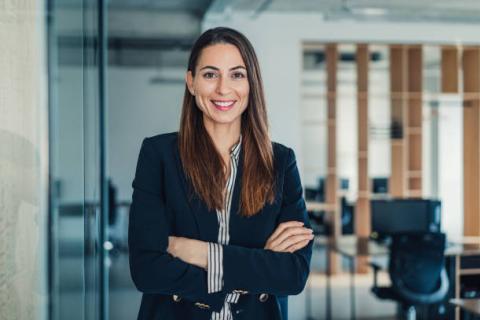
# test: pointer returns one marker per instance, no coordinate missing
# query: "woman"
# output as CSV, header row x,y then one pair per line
x,y
217,218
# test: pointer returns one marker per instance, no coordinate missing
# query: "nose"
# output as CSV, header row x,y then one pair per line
x,y
223,86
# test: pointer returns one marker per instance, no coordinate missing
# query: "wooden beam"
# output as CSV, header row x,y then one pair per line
x,y
450,68
399,112
331,196
471,141
414,124
362,210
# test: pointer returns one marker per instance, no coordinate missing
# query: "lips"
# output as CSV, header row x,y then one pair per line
x,y
223,105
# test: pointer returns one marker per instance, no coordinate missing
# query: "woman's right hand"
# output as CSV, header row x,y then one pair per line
x,y
289,236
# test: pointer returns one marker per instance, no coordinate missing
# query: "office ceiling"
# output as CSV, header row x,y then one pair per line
x,y
400,10
191,6
464,11
185,6
160,32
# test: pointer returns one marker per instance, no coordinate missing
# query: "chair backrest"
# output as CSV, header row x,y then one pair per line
x,y
417,268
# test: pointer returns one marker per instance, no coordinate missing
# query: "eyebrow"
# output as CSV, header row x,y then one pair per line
x,y
215,68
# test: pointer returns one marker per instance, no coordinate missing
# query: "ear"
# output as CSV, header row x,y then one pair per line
x,y
189,81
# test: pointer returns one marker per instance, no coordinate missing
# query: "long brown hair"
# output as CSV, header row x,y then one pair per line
x,y
201,160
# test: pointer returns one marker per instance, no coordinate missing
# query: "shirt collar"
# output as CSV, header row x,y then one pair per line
x,y
235,150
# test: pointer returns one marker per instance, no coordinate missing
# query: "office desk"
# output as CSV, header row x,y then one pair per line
x,y
470,305
457,248
320,206
352,247
458,251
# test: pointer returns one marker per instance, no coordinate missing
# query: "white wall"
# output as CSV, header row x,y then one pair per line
x,y
138,109
450,167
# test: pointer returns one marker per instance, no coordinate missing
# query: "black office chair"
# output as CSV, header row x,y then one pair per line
x,y
417,271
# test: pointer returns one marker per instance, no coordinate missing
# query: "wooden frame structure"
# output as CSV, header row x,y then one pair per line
x,y
406,126
332,179
449,69
406,95
414,121
471,141
362,209
398,87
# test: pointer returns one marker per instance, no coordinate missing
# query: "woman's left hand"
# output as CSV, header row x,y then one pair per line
x,y
189,250
289,236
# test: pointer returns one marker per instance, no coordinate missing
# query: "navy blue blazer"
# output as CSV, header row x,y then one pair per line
x,y
163,204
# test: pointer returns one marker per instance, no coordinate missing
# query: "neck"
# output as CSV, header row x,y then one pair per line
x,y
224,136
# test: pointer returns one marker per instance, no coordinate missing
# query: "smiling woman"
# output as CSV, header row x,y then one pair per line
x,y
217,222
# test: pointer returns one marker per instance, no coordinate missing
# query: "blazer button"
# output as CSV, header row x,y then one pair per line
x,y
176,298
202,305
263,297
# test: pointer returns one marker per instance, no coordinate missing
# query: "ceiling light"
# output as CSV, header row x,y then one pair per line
x,y
370,11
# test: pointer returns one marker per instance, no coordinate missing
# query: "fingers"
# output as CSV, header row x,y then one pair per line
x,y
290,232
293,240
282,226
297,246
292,244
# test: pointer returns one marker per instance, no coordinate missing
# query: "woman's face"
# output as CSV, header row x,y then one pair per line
x,y
220,85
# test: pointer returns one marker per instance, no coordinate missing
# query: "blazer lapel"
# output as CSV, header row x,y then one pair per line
x,y
206,220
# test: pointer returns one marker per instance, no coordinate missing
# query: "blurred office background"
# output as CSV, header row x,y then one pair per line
x,y
84,81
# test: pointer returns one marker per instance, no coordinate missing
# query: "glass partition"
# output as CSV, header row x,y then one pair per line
x,y
77,257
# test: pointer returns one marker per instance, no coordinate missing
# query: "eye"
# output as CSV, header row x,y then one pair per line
x,y
238,75
209,75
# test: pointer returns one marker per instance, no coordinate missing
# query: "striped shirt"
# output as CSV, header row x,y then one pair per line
x,y
215,250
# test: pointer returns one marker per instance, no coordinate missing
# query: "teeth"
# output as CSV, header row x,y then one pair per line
x,y
223,104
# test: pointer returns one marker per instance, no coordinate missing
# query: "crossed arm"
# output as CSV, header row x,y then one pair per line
x,y
289,236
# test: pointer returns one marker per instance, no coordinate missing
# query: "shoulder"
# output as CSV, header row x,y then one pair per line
x,y
282,154
160,146
163,139
281,151
160,143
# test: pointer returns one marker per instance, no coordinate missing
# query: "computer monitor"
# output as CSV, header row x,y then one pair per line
x,y
380,185
393,216
344,184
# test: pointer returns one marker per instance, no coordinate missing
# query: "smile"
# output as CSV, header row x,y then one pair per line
x,y
223,105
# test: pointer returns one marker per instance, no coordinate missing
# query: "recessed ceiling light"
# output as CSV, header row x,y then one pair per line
x,y
370,11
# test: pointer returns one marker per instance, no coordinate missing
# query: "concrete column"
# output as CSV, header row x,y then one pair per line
x,y
23,160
